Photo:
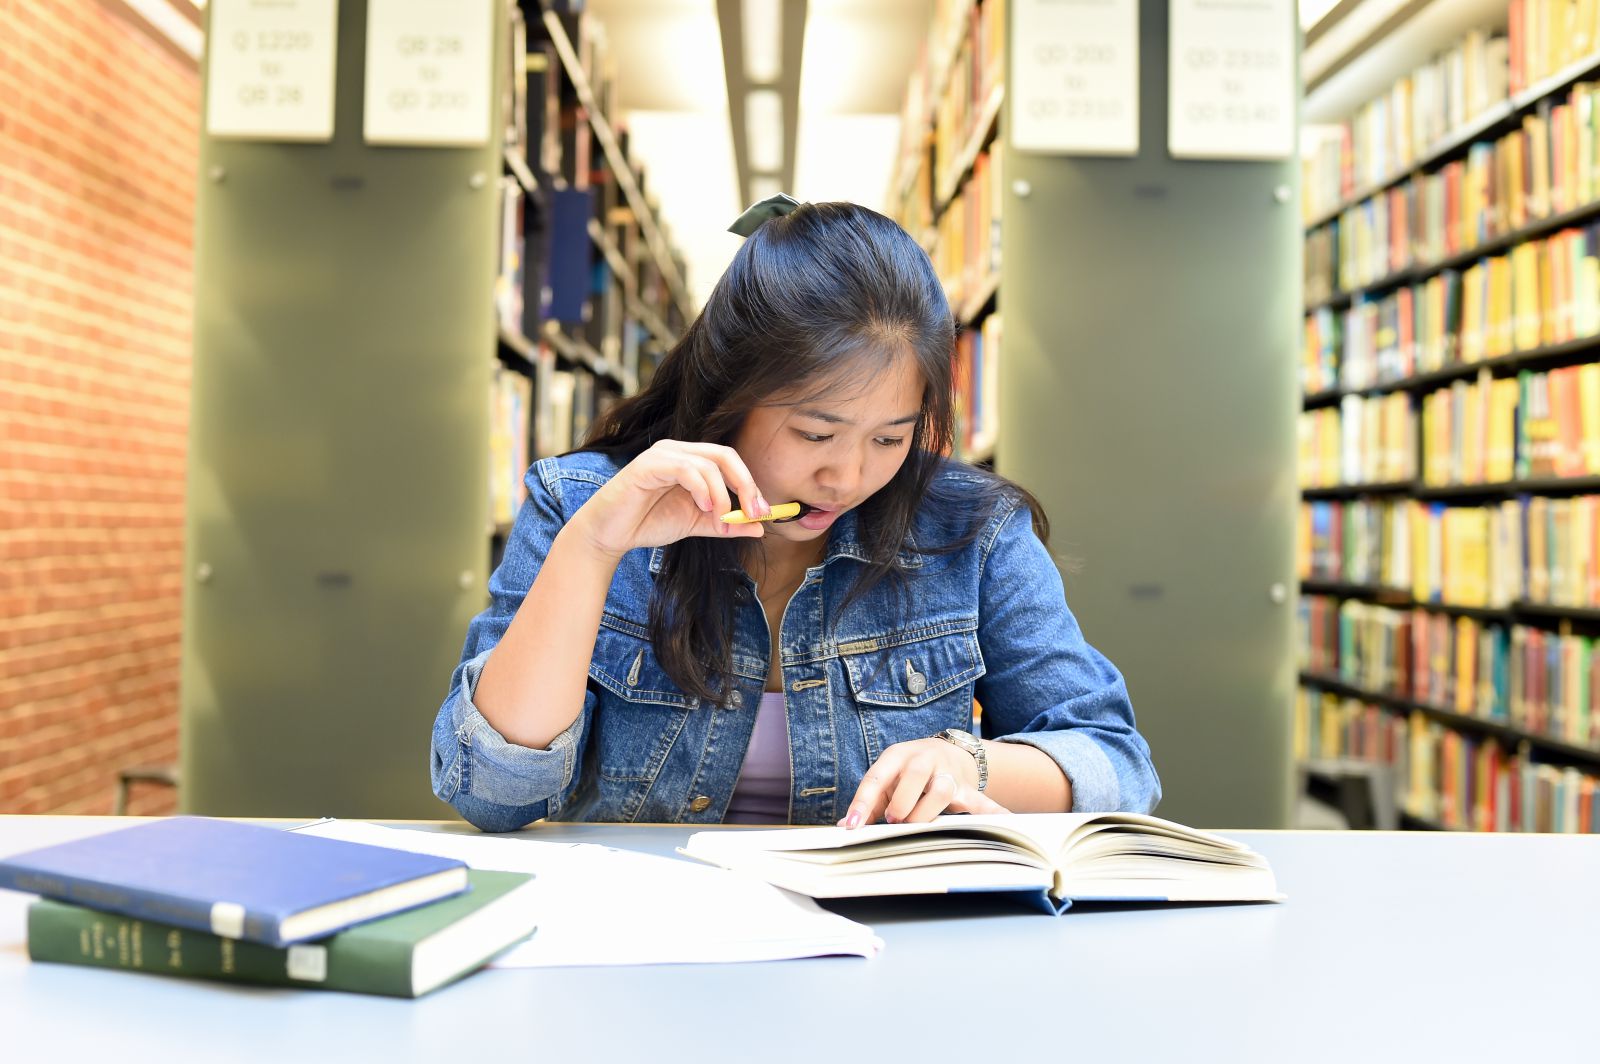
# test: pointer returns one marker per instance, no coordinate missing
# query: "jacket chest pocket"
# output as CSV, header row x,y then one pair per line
x,y
911,688
640,712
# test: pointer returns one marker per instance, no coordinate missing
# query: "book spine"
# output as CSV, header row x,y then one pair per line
x,y
72,934
145,904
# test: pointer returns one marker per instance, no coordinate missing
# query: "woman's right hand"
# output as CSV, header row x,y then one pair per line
x,y
669,492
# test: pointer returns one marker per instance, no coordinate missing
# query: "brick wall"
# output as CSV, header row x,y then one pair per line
x,y
98,147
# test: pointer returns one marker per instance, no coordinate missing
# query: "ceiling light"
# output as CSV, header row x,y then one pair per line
x,y
762,22
763,129
764,186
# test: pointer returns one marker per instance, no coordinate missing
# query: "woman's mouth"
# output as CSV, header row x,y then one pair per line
x,y
805,508
815,518
812,517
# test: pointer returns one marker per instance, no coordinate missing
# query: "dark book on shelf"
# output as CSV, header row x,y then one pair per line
x,y
571,254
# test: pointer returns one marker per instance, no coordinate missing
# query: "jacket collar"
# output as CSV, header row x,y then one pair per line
x,y
844,541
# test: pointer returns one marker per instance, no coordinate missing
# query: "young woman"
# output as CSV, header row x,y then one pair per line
x,y
644,660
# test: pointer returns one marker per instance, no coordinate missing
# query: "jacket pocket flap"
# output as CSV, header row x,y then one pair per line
x,y
911,672
625,664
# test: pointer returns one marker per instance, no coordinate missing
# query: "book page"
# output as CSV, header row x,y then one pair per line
x,y
602,906
1090,855
1039,834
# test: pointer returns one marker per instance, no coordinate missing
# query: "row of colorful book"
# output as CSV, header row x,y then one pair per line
x,y
977,389
1446,777
1355,541
1420,110
1546,167
1536,425
1529,550
1430,107
959,66
510,431
976,73
1543,682
1539,294
217,899
965,243
1361,441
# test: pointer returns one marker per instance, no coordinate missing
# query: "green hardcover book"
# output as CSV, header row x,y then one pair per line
x,y
404,955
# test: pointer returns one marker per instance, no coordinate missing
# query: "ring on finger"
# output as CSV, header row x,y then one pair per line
x,y
942,775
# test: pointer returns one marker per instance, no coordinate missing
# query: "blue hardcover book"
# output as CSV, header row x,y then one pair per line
x,y
236,880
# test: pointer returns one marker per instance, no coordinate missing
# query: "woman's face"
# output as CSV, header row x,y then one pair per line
x,y
833,451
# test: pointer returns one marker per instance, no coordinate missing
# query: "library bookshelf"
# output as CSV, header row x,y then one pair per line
x,y
386,335
1450,434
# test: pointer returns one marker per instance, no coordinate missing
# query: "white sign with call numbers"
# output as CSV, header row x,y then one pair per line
x,y
430,65
1075,76
269,69
1231,79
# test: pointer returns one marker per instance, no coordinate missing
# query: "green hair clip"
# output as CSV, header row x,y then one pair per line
x,y
771,207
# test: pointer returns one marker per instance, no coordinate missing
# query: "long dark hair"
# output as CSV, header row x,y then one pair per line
x,y
828,293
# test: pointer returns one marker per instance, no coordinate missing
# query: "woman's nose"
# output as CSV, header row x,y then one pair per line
x,y
841,480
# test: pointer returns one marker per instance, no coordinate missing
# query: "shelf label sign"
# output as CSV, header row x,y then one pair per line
x,y
1231,79
430,65
1075,75
269,69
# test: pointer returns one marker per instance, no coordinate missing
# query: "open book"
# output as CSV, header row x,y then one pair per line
x,y
1058,858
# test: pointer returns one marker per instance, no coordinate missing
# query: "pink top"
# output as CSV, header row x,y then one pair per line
x,y
762,794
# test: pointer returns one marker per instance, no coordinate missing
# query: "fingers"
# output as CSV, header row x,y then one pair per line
x,y
671,464
872,795
734,473
711,476
913,782
936,798
690,475
972,800
908,783
909,791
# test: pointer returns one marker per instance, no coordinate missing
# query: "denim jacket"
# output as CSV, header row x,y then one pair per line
x,y
989,621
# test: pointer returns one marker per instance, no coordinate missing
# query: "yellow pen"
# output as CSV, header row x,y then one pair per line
x,y
782,511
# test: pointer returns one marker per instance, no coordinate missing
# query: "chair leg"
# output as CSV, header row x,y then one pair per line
x,y
166,775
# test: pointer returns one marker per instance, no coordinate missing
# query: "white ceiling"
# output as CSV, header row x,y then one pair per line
x,y
667,59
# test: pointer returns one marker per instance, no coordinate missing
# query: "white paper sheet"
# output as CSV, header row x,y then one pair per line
x,y
606,906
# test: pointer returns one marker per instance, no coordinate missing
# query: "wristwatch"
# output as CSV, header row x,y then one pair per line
x,y
972,745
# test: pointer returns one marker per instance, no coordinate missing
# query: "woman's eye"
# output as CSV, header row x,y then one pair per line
x,y
812,437
891,441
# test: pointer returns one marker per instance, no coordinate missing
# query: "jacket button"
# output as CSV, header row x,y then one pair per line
x,y
736,699
700,804
916,682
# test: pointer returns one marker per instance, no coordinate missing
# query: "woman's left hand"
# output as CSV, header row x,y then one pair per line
x,y
913,782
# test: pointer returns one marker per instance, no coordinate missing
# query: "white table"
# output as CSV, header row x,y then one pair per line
x,y
1392,946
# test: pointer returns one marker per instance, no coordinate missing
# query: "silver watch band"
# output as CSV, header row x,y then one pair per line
x,y
972,745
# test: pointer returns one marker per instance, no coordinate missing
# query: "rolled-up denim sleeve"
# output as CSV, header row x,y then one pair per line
x,y
495,784
1045,686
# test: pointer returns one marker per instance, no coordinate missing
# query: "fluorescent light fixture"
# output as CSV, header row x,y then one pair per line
x,y
763,129
763,186
1312,11
762,22
172,24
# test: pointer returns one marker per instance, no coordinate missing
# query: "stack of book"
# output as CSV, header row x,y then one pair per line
x,y
241,902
